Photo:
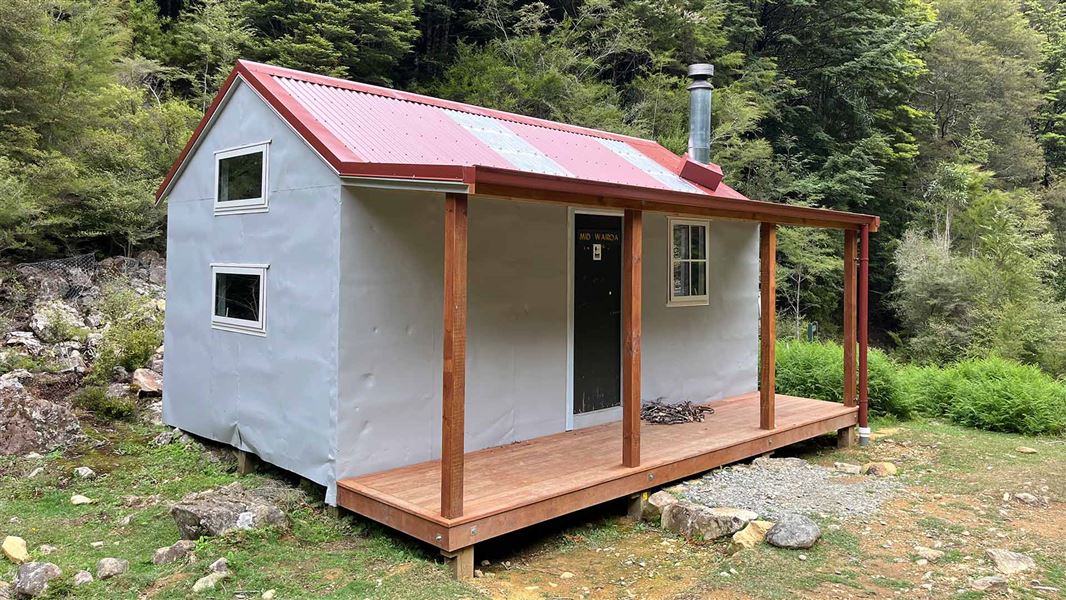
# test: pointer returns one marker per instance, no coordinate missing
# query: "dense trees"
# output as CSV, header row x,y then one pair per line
x,y
945,117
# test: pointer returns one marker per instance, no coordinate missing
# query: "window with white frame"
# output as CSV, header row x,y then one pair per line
x,y
239,298
688,262
241,179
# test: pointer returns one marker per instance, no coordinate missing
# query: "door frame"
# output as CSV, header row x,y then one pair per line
x,y
604,415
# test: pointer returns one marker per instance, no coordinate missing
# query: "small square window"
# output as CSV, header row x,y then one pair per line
x,y
239,298
688,262
241,179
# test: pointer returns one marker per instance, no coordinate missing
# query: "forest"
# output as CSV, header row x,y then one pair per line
x,y
945,117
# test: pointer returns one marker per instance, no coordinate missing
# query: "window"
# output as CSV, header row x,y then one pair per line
x,y
688,262
241,178
239,298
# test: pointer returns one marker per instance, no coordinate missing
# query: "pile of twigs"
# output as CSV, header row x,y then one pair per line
x,y
657,411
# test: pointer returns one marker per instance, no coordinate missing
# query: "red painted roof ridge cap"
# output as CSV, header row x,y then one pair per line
x,y
269,70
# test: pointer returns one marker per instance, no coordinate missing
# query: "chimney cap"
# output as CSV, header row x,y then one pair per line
x,y
700,70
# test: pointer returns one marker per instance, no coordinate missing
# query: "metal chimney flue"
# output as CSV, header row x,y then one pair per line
x,y
699,112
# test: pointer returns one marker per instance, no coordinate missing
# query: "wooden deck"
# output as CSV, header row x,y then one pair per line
x,y
515,486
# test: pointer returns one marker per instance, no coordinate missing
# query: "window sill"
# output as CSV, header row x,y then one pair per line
x,y
250,330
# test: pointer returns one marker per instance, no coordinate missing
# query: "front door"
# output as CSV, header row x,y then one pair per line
x,y
597,312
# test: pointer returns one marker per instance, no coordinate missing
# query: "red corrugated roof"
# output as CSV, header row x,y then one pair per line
x,y
368,131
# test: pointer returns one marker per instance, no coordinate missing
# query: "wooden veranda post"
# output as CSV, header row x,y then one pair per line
x,y
767,323
454,399
632,241
845,437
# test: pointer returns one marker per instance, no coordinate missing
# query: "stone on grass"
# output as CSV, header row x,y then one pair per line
x,y
848,468
695,521
110,567
1030,499
269,595
879,469
15,549
32,578
653,508
992,582
148,382
929,554
78,500
176,551
117,390
752,535
32,424
56,321
1010,563
219,566
213,512
85,472
46,549
793,531
83,577
1025,450
208,582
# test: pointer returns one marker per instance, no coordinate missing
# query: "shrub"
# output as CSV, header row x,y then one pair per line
x,y
134,331
990,393
816,370
95,400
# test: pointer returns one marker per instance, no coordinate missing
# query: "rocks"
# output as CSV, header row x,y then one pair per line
x,y
213,512
269,594
990,583
219,566
879,469
774,487
157,274
117,390
32,578
1030,500
25,340
78,500
107,568
1025,450
56,321
698,522
169,437
82,578
31,424
148,382
174,552
208,582
85,473
653,508
793,531
928,554
46,549
848,468
752,535
15,549
1010,563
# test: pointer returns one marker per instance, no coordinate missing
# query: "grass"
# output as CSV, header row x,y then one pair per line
x,y
320,556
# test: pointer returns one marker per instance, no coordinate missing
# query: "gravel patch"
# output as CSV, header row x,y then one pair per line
x,y
773,487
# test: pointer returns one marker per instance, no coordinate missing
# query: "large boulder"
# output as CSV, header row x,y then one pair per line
x,y
25,340
32,578
107,568
31,424
148,382
1010,563
56,321
214,512
793,531
653,508
695,521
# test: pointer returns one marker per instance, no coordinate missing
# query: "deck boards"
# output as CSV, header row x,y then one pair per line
x,y
511,486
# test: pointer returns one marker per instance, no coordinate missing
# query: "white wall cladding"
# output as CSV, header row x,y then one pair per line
x,y
272,395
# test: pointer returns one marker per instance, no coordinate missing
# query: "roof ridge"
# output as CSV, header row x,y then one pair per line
x,y
442,103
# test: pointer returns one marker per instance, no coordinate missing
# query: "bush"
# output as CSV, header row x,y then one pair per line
x,y
816,370
135,331
95,400
989,393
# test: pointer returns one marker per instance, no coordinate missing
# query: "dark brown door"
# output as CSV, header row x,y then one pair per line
x,y
597,312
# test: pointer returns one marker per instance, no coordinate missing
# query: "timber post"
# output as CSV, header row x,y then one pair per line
x,y
767,324
632,250
864,337
454,396
846,436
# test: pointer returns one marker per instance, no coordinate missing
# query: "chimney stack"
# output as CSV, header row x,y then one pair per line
x,y
699,112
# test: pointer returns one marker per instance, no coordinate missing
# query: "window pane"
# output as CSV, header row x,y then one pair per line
x,y
240,177
698,278
237,296
680,279
699,241
681,242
